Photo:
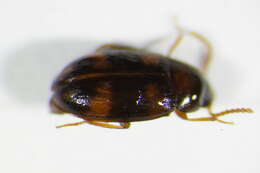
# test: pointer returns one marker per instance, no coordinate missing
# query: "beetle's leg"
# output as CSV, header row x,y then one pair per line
x,y
114,46
178,39
123,125
177,42
72,124
183,115
153,42
206,58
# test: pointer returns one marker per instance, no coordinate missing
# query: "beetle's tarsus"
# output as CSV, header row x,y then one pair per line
x,y
71,124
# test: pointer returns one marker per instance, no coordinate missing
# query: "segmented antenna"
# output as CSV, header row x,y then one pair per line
x,y
229,111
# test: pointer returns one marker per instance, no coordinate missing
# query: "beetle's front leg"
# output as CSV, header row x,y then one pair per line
x,y
183,115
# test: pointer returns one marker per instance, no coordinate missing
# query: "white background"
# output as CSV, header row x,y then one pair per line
x,y
37,38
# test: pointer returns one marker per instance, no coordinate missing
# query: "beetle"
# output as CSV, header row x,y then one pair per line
x,y
123,84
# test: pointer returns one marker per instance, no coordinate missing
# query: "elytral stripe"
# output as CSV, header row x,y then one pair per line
x,y
102,75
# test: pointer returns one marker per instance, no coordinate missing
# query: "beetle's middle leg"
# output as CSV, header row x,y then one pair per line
x,y
122,125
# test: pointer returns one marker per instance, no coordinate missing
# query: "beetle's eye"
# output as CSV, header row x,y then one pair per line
x,y
189,103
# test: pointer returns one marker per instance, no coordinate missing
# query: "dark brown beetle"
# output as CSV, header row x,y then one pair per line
x,y
124,84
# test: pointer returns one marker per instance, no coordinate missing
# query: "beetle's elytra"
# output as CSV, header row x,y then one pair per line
x,y
124,84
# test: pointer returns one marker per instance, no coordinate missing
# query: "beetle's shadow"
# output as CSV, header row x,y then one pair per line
x,y
30,70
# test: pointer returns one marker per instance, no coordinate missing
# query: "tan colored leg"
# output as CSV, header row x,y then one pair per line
x,y
97,123
114,46
183,115
107,125
71,124
176,44
148,45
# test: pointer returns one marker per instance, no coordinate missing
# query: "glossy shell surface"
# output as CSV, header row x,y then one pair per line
x,y
124,84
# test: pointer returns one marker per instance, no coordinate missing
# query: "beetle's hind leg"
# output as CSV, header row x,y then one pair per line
x,y
122,125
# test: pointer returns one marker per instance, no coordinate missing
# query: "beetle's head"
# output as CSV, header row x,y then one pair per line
x,y
191,90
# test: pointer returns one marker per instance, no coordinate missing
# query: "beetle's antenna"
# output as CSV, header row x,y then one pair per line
x,y
229,111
